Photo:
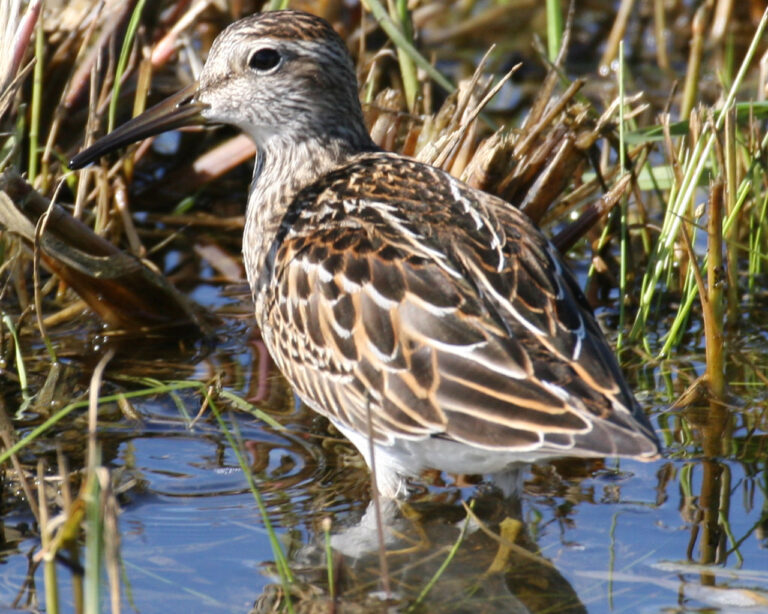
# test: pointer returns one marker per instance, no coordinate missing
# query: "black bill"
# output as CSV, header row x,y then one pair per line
x,y
177,111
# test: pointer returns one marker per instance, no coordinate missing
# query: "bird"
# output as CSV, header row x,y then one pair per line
x,y
432,323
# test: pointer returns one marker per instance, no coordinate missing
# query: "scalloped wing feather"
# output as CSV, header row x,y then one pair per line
x,y
444,312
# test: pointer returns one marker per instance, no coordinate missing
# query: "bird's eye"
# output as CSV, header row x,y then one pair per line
x,y
264,59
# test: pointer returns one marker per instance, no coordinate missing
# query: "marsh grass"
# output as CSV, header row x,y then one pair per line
x,y
681,253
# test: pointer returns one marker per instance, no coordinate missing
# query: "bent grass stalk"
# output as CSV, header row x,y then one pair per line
x,y
68,409
393,31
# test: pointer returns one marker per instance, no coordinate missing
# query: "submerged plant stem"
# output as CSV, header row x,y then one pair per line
x,y
451,554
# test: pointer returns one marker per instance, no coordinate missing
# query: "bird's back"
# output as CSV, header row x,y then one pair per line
x,y
396,289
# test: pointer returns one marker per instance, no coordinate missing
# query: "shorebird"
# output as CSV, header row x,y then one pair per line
x,y
412,310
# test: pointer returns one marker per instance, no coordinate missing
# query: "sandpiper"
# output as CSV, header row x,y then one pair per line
x,y
402,304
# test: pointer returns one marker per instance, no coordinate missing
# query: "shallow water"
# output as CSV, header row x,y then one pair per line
x,y
687,533
613,536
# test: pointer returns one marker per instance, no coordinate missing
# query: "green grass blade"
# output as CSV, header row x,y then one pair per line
x,y
554,28
284,570
122,61
65,411
443,566
393,31
623,211
407,66
19,360
278,5
37,97
244,405
94,543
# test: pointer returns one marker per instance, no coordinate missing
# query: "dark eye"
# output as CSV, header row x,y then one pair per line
x,y
264,59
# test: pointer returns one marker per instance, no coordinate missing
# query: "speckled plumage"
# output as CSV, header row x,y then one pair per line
x,y
387,286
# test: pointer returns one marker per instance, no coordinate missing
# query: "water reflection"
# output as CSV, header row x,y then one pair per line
x,y
687,533
478,560
683,534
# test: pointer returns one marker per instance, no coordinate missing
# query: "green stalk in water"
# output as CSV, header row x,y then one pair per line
x,y
623,211
283,569
713,306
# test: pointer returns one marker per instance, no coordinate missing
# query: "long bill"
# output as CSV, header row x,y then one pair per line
x,y
181,109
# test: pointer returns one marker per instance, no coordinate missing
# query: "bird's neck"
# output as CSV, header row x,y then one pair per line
x,y
283,168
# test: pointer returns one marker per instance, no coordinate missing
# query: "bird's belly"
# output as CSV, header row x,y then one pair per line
x,y
411,457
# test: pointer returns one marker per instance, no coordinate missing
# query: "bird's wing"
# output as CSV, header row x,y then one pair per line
x,y
444,312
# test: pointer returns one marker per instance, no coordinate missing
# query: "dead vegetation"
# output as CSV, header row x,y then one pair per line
x,y
121,243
